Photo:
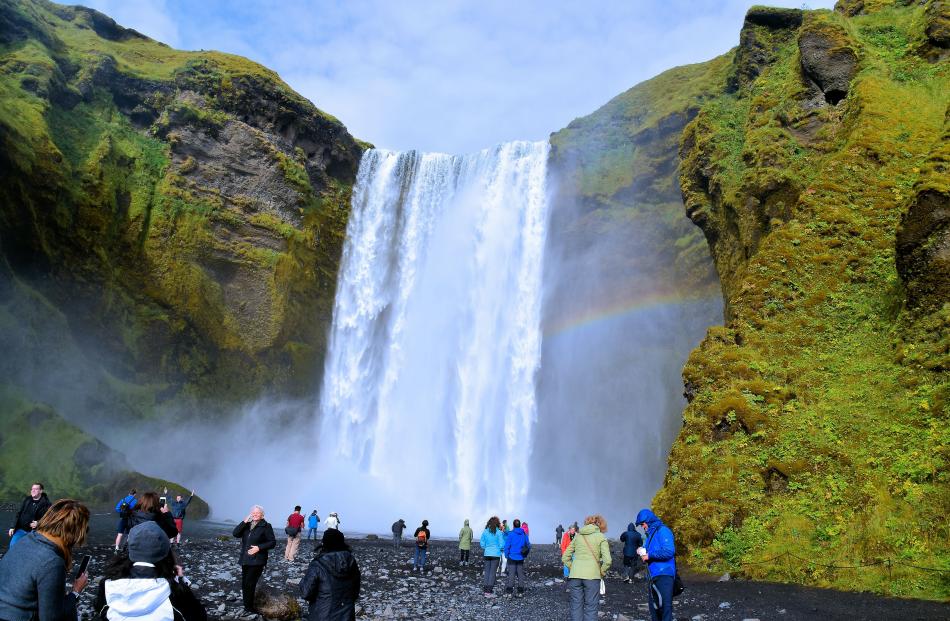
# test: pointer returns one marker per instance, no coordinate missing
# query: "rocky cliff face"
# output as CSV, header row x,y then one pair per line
x,y
176,217
817,423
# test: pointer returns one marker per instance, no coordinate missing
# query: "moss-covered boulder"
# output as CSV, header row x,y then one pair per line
x,y
817,432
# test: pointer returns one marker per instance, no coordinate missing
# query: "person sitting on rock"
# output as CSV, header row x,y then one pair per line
x,y
332,582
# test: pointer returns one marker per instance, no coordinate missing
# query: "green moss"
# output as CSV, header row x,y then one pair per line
x,y
823,399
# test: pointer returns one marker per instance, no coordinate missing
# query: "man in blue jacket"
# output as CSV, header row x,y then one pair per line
x,y
516,549
659,553
124,508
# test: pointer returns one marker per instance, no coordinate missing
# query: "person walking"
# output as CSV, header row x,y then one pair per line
x,y
421,536
146,583
398,526
465,543
333,520
179,506
517,547
124,509
294,526
631,541
588,559
151,510
33,574
31,511
313,522
332,582
565,542
558,533
257,537
492,542
659,554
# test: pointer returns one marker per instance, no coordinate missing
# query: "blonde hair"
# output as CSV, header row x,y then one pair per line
x,y
66,524
598,520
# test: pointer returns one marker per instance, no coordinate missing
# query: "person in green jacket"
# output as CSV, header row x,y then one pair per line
x,y
588,558
465,543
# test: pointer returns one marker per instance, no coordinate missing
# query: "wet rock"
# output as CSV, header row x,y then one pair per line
x,y
726,577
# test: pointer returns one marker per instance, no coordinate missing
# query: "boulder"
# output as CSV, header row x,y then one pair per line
x,y
828,59
274,604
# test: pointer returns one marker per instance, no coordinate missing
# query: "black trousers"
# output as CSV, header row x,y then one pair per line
x,y
250,574
463,555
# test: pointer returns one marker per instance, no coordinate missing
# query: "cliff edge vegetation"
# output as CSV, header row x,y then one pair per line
x,y
170,224
816,444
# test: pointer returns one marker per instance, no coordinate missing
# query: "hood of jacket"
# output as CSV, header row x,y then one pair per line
x,y
589,529
338,564
650,518
143,599
466,522
631,527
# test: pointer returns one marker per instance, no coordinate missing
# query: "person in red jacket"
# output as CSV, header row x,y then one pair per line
x,y
294,523
566,541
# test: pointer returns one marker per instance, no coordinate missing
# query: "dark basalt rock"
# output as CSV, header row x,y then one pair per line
x,y
923,249
828,60
764,31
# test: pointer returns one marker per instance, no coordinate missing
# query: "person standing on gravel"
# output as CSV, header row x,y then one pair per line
x,y
588,558
398,526
294,526
465,543
631,541
566,541
333,520
178,509
332,582
32,509
558,533
313,522
257,537
422,537
659,554
492,542
517,547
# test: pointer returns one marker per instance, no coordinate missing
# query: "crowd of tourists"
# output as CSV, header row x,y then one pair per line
x,y
146,578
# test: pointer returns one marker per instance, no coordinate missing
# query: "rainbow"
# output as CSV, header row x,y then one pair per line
x,y
611,310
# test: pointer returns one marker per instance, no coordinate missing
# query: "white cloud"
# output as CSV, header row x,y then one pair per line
x,y
455,75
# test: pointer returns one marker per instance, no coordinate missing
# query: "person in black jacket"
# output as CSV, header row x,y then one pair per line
x,y
257,537
422,546
149,510
32,509
332,581
146,581
631,562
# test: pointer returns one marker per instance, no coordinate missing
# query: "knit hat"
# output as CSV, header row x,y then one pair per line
x,y
148,543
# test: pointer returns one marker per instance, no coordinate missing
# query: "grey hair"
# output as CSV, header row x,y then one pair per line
x,y
257,508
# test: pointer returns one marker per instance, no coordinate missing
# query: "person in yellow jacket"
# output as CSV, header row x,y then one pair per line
x,y
588,559
465,543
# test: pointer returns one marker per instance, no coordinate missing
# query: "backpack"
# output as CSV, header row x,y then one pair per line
x,y
421,539
123,508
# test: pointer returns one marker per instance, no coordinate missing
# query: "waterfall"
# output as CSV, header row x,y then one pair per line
x,y
429,383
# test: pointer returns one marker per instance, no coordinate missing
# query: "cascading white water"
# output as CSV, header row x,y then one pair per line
x,y
429,383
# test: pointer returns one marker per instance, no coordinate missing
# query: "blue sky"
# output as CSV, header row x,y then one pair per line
x,y
450,75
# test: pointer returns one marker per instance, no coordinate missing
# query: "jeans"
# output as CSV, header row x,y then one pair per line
x,y
420,558
397,540
491,569
463,555
516,569
312,534
17,535
250,574
661,598
585,595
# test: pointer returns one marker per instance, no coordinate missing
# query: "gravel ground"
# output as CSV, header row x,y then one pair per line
x,y
448,591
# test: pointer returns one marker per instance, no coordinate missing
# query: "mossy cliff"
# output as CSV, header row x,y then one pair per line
x,y
178,217
818,415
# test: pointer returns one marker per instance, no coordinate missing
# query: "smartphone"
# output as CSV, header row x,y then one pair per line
x,y
161,501
83,564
